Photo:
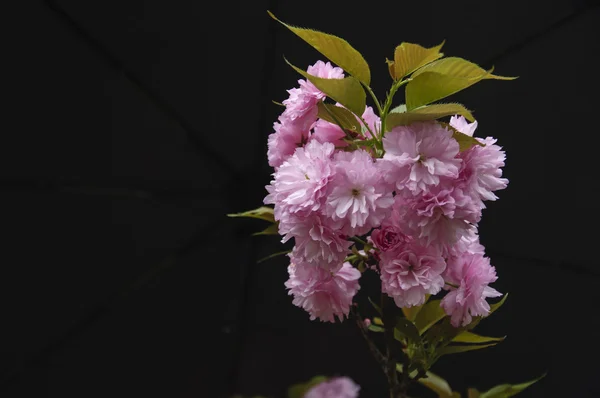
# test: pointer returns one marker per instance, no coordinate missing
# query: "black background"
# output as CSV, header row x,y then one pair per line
x,y
130,128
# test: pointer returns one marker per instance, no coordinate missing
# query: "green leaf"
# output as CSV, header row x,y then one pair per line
x,y
409,57
299,390
455,349
377,308
430,314
272,229
375,328
338,115
411,312
335,49
262,213
377,321
391,68
434,382
407,329
468,337
443,78
464,141
473,393
270,256
425,113
493,308
399,109
347,91
508,390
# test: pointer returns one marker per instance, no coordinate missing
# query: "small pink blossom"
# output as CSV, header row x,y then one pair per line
x,y
300,109
472,273
358,198
372,120
367,322
300,183
390,235
410,273
337,387
416,156
323,294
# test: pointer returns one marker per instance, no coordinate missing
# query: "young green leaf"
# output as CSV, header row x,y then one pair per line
x,y
409,57
407,329
508,390
425,113
391,68
468,337
455,349
430,314
410,313
262,213
473,393
434,382
335,49
399,109
377,321
272,229
270,256
347,91
377,308
338,115
375,328
464,141
443,78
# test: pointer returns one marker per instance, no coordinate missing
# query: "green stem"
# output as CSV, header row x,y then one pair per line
x,y
388,102
358,240
377,104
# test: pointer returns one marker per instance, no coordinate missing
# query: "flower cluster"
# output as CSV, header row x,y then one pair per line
x,y
416,202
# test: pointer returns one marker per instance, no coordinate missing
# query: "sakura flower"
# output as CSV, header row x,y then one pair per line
x,y
323,294
390,235
481,170
417,156
410,273
462,125
284,141
300,183
322,70
316,243
323,131
440,216
372,120
472,273
300,109
358,198
337,387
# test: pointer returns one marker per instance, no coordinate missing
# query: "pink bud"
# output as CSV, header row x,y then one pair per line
x,y
367,322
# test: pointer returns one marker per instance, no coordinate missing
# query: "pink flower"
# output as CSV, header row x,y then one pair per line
x,y
337,387
462,125
316,243
419,154
372,121
410,273
390,235
323,294
358,198
481,170
284,141
440,216
322,70
472,273
323,131
300,183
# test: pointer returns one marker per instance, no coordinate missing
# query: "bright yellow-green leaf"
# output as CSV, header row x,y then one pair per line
x,y
399,109
377,321
443,78
494,307
409,57
391,68
434,382
411,312
262,213
299,390
375,328
338,115
430,314
473,393
425,113
347,91
508,390
335,49
468,337
455,349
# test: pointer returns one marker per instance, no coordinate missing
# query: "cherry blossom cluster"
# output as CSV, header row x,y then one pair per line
x,y
416,204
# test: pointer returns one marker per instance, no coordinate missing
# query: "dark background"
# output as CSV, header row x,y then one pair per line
x,y
130,128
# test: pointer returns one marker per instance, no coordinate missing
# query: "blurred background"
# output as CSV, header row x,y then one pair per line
x,y
133,127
